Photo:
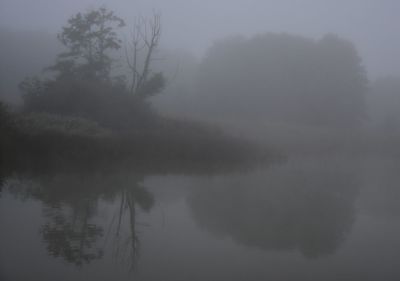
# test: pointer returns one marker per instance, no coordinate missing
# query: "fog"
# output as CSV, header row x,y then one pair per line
x,y
199,140
194,25
191,28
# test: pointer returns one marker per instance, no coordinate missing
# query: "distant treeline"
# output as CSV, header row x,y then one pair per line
x,y
278,77
286,78
285,82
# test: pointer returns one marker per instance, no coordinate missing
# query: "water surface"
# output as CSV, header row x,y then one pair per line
x,y
333,218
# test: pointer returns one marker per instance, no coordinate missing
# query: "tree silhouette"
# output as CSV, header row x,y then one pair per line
x,y
284,78
131,197
144,41
88,37
84,84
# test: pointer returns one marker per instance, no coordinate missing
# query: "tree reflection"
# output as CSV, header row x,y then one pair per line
x,y
308,210
132,197
71,235
72,229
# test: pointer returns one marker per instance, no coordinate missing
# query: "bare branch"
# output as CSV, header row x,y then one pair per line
x,y
145,37
152,43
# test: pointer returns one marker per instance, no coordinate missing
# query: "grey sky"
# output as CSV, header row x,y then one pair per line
x,y
373,25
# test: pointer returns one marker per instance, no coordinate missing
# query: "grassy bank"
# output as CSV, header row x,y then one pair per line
x,y
42,141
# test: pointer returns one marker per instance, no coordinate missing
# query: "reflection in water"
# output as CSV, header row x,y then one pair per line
x,y
69,233
94,222
287,208
70,209
381,188
131,197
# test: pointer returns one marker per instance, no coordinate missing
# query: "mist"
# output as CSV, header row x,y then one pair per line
x,y
194,25
199,140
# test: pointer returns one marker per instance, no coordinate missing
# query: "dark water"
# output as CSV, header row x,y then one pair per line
x,y
305,219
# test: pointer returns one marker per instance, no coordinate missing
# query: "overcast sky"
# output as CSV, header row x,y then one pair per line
x,y
373,25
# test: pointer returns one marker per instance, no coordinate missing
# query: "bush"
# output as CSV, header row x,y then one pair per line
x,y
110,104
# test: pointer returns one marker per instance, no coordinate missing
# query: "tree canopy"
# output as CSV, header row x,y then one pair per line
x,y
84,84
88,37
284,78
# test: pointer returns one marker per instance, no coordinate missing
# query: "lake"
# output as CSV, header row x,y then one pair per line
x,y
328,218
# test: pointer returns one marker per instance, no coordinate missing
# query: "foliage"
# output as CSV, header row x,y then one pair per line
x,y
84,115
285,78
83,86
105,102
88,37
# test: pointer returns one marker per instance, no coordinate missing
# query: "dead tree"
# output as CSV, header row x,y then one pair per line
x,y
145,37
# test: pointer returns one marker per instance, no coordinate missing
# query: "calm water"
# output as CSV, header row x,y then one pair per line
x,y
305,219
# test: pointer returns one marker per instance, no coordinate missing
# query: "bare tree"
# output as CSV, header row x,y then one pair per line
x,y
145,37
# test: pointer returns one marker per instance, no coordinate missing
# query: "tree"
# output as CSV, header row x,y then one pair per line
x,y
284,78
144,41
84,87
88,37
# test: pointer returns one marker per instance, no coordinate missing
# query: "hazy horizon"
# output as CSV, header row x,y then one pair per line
x,y
195,25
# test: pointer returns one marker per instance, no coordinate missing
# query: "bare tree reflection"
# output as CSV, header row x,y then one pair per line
x,y
72,230
135,196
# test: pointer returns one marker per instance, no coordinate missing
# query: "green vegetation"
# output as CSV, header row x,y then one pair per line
x,y
84,116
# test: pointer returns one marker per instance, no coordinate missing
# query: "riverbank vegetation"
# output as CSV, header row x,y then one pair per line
x,y
82,113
